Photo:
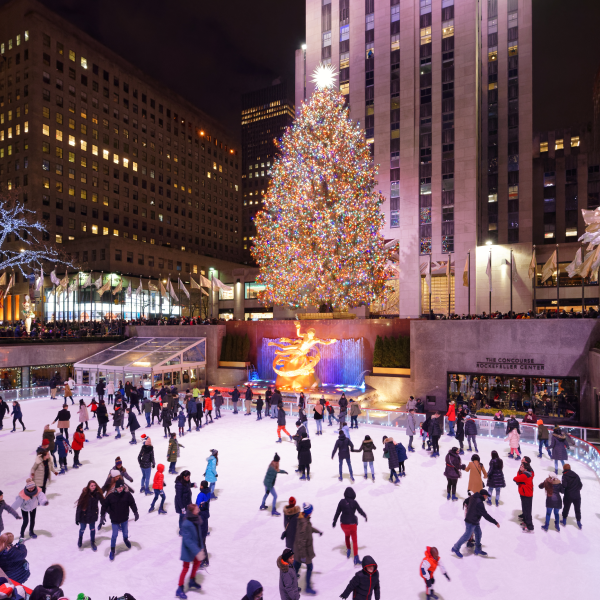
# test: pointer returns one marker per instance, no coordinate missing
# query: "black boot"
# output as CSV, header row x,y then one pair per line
x,y
80,540
93,539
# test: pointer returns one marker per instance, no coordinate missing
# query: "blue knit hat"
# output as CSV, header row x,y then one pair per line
x,y
307,508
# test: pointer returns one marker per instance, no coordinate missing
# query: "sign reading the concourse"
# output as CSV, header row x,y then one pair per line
x,y
511,364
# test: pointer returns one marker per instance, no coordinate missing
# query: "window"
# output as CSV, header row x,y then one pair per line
x,y
574,141
344,33
370,21
252,289
395,13
425,35
395,42
558,145
543,146
84,63
448,28
46,129
72,55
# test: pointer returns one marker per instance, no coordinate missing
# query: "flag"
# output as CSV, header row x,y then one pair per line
x,y
129,290
151,287
182,287
590,263
573,268
118,289
40,281
549,268
53,278
88,281
98,282
204,282
3,279
488,270
466,273
221,285
195,286
140,289
532,266
73,286
11,282
64,282
104,288
172,291
163,292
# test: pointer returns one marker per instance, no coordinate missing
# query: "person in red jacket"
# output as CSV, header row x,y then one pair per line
x,y
451,414
428,566
524,480
208,406
157,485
77,445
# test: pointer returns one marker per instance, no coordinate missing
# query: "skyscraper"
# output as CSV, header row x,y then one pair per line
x,y
266,114
443,90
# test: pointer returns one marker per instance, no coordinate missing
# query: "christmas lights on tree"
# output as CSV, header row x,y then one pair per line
x,y
317,240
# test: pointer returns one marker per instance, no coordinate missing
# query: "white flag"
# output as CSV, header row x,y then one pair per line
x,y
532,266
194,285
172,291
53,278
64,282
11,282
140,289
182,287
163,292
104,288
98,282
488,270
549,268
204,282
129,290
73,285
221,285
3,279
118,289
88,281
152,287
573,268
40,281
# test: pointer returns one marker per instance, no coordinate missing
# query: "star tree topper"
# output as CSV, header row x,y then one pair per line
x,y
324,76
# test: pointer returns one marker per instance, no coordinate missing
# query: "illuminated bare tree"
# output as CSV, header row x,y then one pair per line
x,y
19,224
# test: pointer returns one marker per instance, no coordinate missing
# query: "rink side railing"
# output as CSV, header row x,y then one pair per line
x,y
580,441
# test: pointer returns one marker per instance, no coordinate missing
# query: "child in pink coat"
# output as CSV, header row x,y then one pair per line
x,y
513,440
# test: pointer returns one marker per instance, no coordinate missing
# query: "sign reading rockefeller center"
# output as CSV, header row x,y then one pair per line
x,y
511,364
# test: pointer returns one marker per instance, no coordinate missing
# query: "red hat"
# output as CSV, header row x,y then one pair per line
x,y
143,436
292,501
45,442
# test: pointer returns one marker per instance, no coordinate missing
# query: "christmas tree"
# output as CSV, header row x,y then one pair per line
x,y
317,240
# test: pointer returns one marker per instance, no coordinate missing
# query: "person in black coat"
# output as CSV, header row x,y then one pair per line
x,y
183,494
290,520
452,472
365,583
134,400
155,410
50,588
435,432
304,457
495,477
63,416
117,505
281,422
460,430
346,510
343,446
259,407
132,423
102,416
475,510
165,416
87,512
100,386
571,488
235,396
4,410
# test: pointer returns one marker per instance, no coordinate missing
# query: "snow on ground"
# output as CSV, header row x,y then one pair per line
x,y
245,542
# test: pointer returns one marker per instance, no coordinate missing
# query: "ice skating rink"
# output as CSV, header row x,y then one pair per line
x,y
245,542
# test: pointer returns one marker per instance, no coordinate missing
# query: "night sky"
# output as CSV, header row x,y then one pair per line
x,y
211,51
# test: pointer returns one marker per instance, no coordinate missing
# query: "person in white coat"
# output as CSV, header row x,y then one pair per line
x,y
83,413
110,390
28,500
411,428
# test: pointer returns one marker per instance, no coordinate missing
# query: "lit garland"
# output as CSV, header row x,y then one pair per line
x,y
317,239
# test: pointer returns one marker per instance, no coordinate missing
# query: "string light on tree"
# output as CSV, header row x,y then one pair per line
x,y
317,240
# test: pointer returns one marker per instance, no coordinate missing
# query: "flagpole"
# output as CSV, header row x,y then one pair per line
x,y
54,296
429,286
534,282
469,279
582,287
490,284
42,294
557,284
511,283
169,295
449,279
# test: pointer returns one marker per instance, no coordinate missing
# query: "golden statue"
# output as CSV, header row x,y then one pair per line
x,y
295,369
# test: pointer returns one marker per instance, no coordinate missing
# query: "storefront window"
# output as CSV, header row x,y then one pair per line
x,y
167,379
252,289
185,377
176,378
41,375
157,379
547,396
11,378
257,316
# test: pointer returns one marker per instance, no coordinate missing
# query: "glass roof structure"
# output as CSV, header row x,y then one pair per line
x,y
144,354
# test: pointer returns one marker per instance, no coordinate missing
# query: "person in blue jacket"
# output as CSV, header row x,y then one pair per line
x,y
192,549
183,494
402,456
211,472
192,412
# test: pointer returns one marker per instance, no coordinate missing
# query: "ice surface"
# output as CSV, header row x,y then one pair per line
x,y
245,542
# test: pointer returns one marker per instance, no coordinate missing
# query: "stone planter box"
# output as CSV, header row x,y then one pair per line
x,y
233,364
391,371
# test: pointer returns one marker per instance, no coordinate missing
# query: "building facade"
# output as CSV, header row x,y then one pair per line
x,y
266,114
100,150
442,87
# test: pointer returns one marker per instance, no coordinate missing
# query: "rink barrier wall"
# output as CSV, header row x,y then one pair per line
x,y
580,449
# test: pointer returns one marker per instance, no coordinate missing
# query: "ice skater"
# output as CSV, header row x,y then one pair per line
x,y
428,567
173,453
269,483
133,424
28,500
87,512
9,509
389,449
471,433
475,510
146,462
117,505
83,413
343,445
259,407
192,549
303,545
158,488
571,488
346,510
551,485
365,583
559,446
281,423
211,472
452,472
368,457
411,428
495,477
17,415
77,445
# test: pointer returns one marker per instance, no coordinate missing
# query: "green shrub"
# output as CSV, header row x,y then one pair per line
x,y
246,348
392,352
378,352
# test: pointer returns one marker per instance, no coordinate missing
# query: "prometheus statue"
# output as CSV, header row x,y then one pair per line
x,y
295,369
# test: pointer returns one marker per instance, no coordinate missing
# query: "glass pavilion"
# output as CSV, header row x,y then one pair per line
x,y
147,361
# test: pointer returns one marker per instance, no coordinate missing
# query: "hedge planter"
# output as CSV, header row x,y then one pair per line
x,y
391,371
233,364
